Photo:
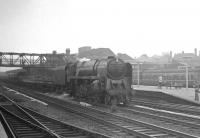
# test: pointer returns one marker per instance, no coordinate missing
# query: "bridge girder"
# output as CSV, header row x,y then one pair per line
x,y
11,59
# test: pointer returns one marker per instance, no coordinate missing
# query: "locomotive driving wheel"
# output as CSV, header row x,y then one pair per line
x,y
128,98
127,101
113,103
107,99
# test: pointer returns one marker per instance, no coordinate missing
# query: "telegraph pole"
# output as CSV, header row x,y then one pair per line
x,y
186,69
138,74
186,75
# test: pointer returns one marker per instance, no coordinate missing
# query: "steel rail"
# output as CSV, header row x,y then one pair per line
x,y
191,118
91,117
64,104
56,131
15,109
64,125
21,127
163,118
194,111
7,128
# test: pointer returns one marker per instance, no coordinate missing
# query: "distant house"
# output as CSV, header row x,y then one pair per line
x,y
182,56
190,59
164,59
98,53
126,58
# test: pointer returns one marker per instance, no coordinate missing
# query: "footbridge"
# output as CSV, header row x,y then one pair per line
x,y
11,59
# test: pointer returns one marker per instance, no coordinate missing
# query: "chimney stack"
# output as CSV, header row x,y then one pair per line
x,y
54,52
195,51
170,54
67,51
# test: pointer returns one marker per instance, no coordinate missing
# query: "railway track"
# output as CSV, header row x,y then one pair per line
x,y
161,97
63,129
164,117
131,127
110,131
24,122
167,119
180,108
17,127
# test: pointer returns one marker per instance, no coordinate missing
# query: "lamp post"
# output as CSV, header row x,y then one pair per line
x,y
138,73
186,74
186,77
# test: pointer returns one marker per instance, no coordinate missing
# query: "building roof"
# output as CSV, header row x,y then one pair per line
x,y
124,56
184,55
98,53
189,59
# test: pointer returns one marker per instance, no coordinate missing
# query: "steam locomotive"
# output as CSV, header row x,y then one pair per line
x,y
105,81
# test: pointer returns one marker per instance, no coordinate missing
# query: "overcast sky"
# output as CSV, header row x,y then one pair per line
x,y
134,27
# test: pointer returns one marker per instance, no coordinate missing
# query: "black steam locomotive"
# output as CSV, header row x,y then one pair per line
x,y
98,81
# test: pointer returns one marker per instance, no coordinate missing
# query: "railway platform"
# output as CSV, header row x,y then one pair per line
x,y
187,94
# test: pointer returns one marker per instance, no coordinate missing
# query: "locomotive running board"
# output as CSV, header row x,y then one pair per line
x,y
85,77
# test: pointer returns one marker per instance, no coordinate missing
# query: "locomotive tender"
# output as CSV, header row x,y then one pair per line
x,y
97,81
